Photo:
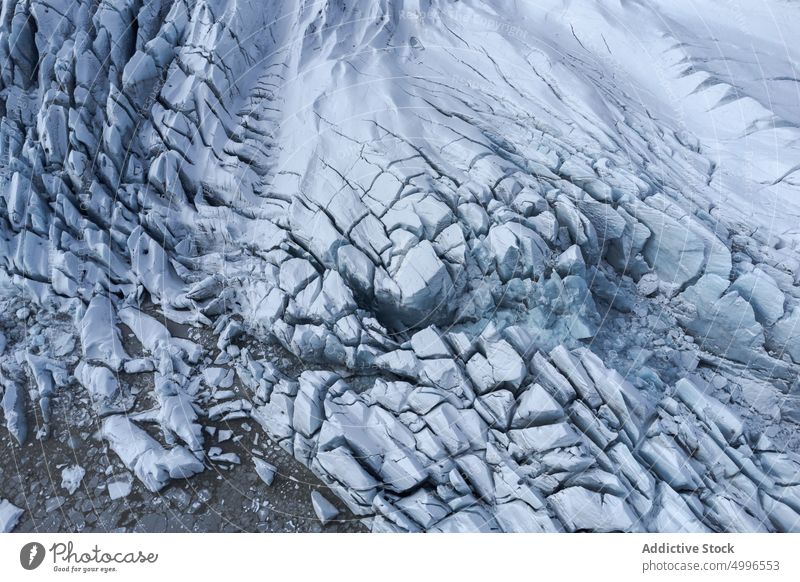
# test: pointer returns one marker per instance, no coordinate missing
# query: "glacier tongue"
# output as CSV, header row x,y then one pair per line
x,y
476,267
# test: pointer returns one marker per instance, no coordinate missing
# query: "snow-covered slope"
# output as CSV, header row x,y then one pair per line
x,y
534,264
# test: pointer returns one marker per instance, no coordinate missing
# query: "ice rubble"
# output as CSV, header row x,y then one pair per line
x,y
441,231
9,516
266,471
120,486
324,509
71,478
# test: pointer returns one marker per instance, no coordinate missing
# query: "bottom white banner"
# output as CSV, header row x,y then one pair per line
x,y
353,557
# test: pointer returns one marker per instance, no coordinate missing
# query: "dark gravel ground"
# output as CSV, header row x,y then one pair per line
x,y
224,498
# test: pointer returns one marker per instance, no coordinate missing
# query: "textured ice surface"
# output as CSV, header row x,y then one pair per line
x,y
9,516
266,471
324,509
478,266
120,486
71,478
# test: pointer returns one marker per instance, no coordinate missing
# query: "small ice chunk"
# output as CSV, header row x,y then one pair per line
x,y
13,405
216,454
63,344
324,509
648,284
53,503
99,381
143,455
536,407
761,291
233,330
265,470
100,336
71,478
138,366
427,343
120,486
218,377
570,262
9,516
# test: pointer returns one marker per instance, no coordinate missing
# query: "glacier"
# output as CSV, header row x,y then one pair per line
x,y
458,266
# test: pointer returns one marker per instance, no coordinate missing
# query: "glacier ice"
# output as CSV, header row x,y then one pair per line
x,y
474,267
9,516
324,509
71,478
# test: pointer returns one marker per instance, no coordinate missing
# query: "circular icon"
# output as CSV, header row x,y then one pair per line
x,y
31,555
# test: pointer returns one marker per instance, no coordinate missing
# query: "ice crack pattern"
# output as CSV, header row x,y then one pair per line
x,y
450,265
